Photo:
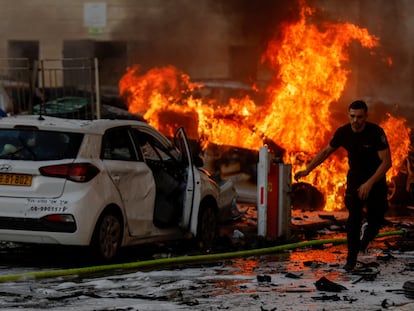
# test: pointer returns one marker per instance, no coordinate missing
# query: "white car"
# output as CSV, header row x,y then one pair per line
x,y
102,183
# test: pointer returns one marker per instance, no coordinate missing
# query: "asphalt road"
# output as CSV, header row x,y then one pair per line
x,y
281,281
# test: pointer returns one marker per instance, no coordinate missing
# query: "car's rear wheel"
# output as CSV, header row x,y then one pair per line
x,y
107,236
397,194
207,226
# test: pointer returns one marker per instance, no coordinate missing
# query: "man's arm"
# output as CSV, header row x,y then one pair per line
x,y
316,161
385,157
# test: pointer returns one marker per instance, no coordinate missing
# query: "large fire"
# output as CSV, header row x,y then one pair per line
x,y
309,62
398,135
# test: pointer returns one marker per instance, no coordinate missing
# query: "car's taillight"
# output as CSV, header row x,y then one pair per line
x,y
78,172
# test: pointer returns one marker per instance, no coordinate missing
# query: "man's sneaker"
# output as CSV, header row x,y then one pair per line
x,y
364,242
363,230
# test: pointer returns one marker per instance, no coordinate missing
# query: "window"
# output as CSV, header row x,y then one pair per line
x,y
117,145
151,149
35,145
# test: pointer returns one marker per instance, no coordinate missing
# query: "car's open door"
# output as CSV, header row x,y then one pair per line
x,y
192,195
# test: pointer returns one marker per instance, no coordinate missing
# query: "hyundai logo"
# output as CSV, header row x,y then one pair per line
x,y
5,167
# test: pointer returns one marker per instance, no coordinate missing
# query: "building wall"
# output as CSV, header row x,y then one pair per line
x,y
152,32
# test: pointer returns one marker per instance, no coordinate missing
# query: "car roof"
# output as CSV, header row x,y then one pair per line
x,y
71,125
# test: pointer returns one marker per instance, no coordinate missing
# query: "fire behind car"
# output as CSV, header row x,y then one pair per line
x,y
104,184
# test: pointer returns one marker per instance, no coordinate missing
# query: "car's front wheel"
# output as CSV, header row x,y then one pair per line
x,y
107,236
207,226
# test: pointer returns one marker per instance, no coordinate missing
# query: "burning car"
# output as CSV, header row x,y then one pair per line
x,y
102,183
222,91
401,187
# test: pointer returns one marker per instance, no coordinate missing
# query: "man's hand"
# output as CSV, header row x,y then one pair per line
x,y
301,174
318,159
364,190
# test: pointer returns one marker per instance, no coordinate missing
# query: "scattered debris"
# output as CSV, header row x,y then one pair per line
x,y
409,266
386,257
293,275
367,271
409,289
236,212
263,278
237,235
386,303
326,297
371,264
312,263
350,299
323,284
297,290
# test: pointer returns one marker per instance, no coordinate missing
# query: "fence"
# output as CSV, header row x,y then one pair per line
x,y
59,87
15,85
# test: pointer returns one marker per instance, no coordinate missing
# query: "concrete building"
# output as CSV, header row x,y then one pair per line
x,y
198,37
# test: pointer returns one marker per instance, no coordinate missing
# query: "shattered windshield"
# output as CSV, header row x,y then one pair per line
x,y
35,145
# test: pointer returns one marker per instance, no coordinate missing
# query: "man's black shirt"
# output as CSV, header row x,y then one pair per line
x,y
362,148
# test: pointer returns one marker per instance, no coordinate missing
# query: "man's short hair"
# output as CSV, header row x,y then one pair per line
x,y
358,104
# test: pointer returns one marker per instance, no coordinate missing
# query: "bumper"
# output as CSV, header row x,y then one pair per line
x,y
36,224
36,220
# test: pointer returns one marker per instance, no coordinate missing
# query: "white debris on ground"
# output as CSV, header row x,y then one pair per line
x,y
309,278
278,282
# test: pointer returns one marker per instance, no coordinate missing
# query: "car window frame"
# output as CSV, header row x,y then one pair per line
x,y
143,139
134,155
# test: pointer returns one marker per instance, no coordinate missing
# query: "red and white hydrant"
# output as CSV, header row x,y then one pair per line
x,y
274,187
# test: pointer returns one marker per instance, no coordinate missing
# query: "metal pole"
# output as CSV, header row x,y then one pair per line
x,y
97,90
262,184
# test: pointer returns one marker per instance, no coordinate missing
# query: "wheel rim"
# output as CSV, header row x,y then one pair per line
x,y
391,190
109,236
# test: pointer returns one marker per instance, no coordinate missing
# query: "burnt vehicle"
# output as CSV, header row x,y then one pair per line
x,y
401,188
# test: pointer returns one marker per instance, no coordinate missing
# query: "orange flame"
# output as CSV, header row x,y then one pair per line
x,y
398,135
310,77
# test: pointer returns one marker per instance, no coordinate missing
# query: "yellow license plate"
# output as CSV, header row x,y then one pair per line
x,y
16,180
